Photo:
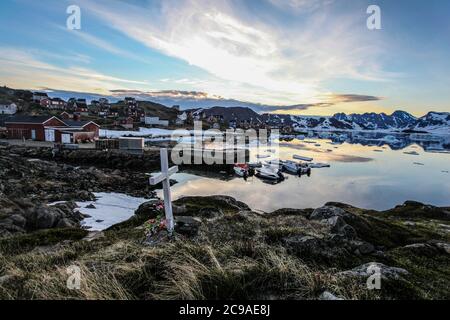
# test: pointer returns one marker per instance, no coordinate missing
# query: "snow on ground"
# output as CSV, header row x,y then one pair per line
x,y
111,208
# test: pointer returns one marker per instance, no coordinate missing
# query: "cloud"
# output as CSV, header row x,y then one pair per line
x,y
102,44
256,60
28,68
300,5
340,98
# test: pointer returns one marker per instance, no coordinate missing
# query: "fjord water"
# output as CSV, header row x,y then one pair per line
x,y
378,176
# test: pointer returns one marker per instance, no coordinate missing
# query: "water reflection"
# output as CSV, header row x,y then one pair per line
x,y
371,172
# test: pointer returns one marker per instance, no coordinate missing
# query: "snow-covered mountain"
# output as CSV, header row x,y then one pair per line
x,y
433,122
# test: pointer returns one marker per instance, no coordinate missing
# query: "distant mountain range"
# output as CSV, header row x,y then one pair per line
x,y
433,122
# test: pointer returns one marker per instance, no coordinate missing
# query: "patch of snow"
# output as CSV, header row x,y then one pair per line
x,y
111,208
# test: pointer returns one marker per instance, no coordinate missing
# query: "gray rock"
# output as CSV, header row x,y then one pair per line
x,y
366,270
210,212
45,218
65,223
326,295
18,220
91,206
187,226
6,279
339,226
326,212
444,246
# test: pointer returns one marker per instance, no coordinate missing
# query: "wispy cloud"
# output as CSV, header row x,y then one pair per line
x,y
274,62
102,44
31,70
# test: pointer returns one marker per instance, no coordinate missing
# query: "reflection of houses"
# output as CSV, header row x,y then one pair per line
x,y
8,108
155,121
53,129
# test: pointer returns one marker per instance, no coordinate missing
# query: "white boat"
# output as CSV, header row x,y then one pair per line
x,y
318,165
269,172
297,157
274,163
262,156
296,168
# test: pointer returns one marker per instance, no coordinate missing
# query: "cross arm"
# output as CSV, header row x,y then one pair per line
x,y
159,177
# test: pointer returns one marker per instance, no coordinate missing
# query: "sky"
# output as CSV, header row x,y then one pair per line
x,y
313,57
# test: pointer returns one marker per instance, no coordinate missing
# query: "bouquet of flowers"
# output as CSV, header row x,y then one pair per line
x,y
157,224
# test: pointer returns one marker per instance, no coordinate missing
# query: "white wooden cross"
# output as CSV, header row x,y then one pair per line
x,y
164,177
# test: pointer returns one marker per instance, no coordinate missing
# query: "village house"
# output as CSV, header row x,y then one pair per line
x,y
38,96
8,108
125,122
65,116
181,119
50,128
81,107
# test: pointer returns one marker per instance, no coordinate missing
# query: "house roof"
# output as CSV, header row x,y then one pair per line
x,y
3,119
29,119
72,123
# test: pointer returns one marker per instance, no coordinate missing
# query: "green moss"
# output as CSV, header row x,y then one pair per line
x,y
275,235
23,243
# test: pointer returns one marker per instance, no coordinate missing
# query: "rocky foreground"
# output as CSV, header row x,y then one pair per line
x,y
223,250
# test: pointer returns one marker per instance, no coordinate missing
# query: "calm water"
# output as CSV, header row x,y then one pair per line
x,y
377,175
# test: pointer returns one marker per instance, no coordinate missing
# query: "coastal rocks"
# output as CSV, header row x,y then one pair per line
x,y
414,210
147,209
335,218
311,248
368,269
326,212
23,216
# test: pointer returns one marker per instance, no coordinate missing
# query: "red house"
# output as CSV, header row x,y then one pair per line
x,y
53,129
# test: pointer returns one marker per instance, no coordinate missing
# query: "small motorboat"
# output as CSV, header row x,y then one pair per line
x,y
253,165
241,169
296,168
297,157
274,163
318,165
269,172
262,156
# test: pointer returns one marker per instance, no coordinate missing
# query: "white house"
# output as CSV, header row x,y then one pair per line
x,y
155,121
181,119
8,108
